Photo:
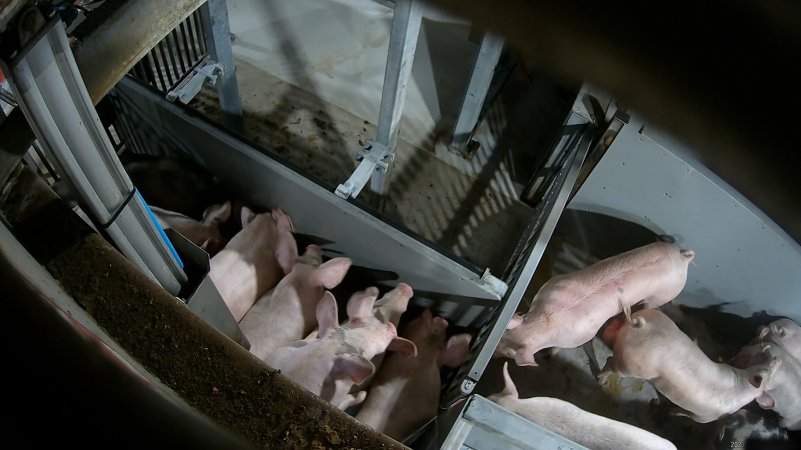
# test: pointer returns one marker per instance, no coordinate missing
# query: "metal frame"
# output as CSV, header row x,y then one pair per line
x,y
265,181
378,154
528,253
217,34
483,424
489,52
55,101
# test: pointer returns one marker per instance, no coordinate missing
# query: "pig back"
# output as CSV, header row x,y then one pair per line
x,y
583,427
649,347
654,348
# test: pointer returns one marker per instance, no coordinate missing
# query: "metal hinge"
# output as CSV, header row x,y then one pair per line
x,y
206,74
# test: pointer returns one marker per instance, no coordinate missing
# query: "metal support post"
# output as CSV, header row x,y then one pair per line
x,y
377,156
489,52
51,93
217,34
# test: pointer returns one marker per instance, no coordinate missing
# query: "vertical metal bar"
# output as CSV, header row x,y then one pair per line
x,y
165,66
489,52
187,52
176,66
217,37
402,44
175,48
195,36
147,67
154,67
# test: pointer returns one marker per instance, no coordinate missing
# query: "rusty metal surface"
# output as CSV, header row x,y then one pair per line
x,y
719,75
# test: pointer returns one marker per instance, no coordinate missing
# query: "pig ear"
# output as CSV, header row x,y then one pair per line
x,y
360,305
404,346
331,273
355,367
286,251
247,216
217,214
456,351
282,220
327,315
509,387
515,321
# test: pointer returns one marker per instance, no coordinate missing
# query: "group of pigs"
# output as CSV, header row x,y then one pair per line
x,y
283,304
571,309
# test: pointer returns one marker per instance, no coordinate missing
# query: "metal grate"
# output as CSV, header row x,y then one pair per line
x,y
557,176
137,135
174,59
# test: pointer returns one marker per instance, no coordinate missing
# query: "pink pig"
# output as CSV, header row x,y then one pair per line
x,y
387,309
405,392
783,390
329,364
580,426
206,233
784,333
569,309
653,348
287,313
254,260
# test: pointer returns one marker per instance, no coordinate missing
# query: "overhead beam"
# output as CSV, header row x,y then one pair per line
x,y
109,52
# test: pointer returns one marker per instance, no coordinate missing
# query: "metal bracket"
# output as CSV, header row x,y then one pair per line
x,y
207,74
374,157
494,283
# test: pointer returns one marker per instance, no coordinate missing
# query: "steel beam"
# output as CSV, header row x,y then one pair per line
x,y
489,52
402,45
217,35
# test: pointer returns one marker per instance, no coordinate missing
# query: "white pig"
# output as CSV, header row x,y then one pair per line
x,y
287,312
652,275
254,260
580,426
330,364
653,348
783,390
387,309
784,333
206,233
405,392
